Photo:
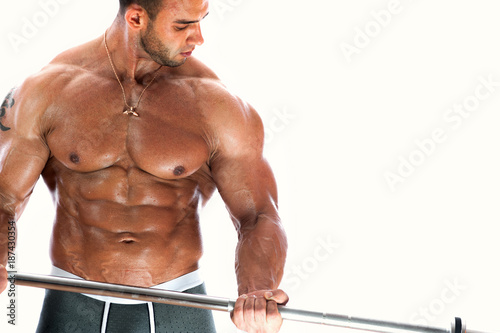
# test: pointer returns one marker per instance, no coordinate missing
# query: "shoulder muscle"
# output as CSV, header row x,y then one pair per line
x,y
235,124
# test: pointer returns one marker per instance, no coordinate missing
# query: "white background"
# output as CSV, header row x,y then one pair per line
x,y
336,125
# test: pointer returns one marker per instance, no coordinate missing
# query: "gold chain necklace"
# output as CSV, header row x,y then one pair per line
x,y
129,109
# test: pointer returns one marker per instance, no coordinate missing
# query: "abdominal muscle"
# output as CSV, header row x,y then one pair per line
x,y
143,238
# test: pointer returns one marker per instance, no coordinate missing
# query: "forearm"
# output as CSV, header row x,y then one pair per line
x,y
12,205
9,208
8,237
260,255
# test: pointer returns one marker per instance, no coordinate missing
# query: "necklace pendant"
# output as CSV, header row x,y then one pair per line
x,y
131,110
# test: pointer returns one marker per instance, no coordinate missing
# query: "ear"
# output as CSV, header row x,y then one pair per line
x,y
136,17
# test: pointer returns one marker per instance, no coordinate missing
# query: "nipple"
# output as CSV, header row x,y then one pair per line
x,y
179,170
74,158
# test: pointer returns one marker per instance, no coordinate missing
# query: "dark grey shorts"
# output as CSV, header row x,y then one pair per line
x,y
65,312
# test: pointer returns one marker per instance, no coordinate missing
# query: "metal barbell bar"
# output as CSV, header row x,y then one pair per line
x,y
224,304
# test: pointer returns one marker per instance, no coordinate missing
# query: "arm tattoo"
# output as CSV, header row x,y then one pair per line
x,y
7,104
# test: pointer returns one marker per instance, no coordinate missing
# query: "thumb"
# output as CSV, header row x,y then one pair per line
x,y
279,296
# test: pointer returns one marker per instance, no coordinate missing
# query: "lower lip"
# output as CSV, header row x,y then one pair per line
x,y
186,54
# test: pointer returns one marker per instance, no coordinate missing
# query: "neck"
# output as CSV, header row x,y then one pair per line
x,y
131,62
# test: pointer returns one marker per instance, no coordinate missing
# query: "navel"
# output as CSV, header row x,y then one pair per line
x,y
73,157
179,170
127,238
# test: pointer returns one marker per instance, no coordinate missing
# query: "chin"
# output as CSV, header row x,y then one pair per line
x,y
173,63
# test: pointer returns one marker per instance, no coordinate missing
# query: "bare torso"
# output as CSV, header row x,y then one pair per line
x,y
127,189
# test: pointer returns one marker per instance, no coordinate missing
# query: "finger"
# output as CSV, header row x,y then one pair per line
x,y
237,314
260,309
273,318
249,311
272,310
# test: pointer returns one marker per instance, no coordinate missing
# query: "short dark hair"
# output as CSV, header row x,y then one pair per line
x,y
152,7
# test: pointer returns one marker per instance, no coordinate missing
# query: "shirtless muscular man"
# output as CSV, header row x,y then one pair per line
x,y
132,136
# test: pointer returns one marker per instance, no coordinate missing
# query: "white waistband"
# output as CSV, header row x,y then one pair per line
x,y
181,283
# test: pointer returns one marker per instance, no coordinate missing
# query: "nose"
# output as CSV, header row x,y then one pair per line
x,y
196,37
